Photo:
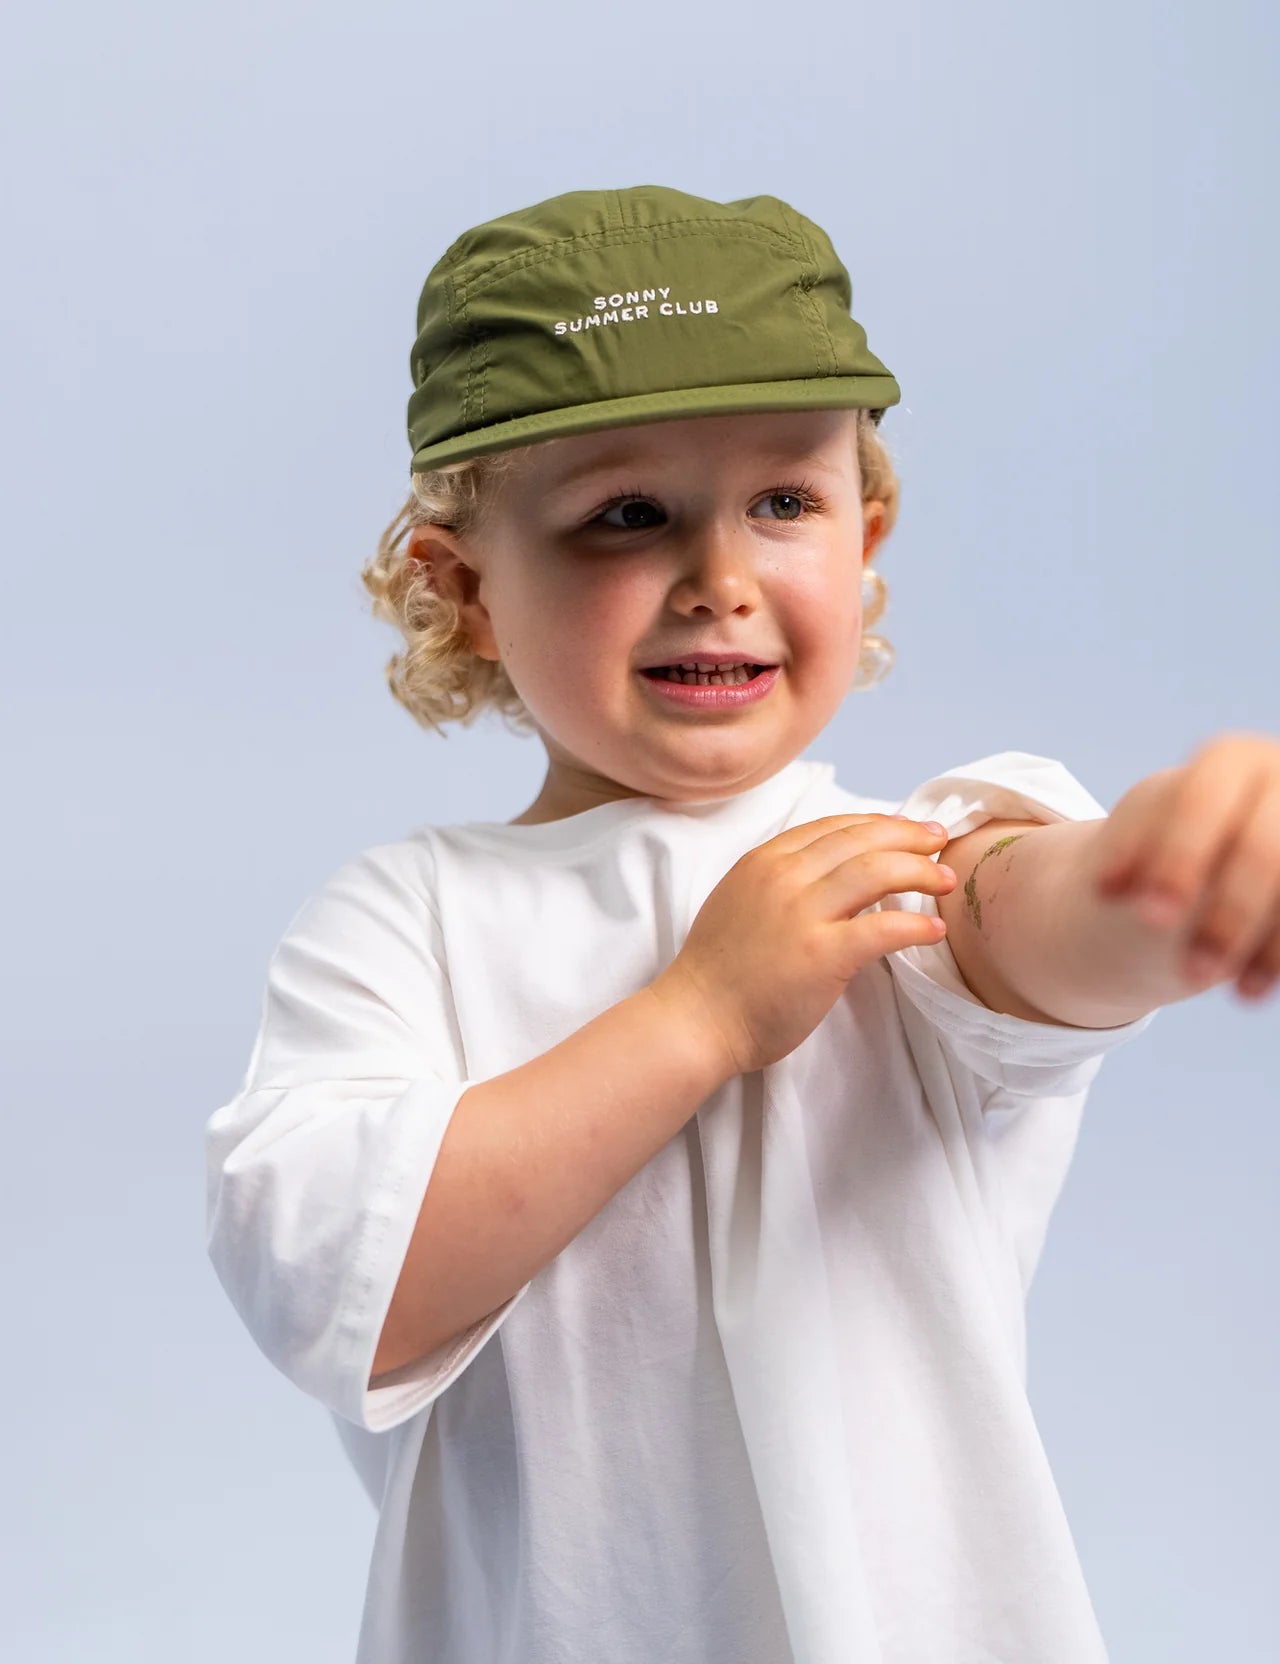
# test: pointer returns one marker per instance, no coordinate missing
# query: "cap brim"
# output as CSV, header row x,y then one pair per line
x,y
812,393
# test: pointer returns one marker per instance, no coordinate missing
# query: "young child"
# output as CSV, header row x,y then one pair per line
x,y
650,1185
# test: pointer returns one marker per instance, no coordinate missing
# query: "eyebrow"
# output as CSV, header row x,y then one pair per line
x,y
627,457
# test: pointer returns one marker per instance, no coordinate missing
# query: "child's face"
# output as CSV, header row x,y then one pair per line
x,y
723,554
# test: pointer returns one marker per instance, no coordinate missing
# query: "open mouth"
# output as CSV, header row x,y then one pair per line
x,y
730,676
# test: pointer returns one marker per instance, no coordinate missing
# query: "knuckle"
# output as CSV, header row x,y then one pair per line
x,y
1226,919
1176,878
1215,937
892,866
1229,926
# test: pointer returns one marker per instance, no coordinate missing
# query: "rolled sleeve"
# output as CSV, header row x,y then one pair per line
x,y
317,1169
1021,1056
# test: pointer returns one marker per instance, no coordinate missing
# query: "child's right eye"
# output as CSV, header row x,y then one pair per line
x,y
628,502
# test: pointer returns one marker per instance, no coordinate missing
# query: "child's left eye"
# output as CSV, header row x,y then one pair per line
x,y
794,493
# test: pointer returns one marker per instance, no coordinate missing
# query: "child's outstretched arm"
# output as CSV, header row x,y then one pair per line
x,y
1056,923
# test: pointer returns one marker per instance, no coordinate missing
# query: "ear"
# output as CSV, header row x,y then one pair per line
x,y
873,522
456,576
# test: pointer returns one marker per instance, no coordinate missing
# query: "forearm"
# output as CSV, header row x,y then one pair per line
x,y
531,1156
1075,955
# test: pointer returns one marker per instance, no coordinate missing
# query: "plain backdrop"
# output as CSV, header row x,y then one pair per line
x,y
1060,224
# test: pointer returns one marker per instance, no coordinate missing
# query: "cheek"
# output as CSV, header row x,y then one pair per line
x,y
606,610
819,607
820,615
571,623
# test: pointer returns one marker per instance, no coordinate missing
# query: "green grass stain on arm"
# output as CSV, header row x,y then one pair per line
x,y
972,903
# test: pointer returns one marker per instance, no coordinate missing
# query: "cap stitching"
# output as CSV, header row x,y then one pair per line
x,y
749,230
800,294
473,395
805,297
451,294
601,239
471,361
456,307
674,395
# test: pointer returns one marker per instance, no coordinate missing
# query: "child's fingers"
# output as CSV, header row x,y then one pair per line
x,y
1261,970
1239,912
1261,974
1209,806
1132,832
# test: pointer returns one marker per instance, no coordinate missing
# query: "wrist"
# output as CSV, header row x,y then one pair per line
x,y
690,1022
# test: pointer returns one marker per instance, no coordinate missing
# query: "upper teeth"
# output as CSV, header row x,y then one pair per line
x,y
738,664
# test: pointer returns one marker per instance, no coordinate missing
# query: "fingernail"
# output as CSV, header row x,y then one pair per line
x,y
935,826
1255,982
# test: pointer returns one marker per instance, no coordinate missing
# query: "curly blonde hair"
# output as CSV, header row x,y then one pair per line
x,y
437,678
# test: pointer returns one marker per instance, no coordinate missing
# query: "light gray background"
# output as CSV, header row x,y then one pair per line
x,y
1060,225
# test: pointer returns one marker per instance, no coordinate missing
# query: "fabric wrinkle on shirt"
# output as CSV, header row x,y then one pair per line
x,y
769,1406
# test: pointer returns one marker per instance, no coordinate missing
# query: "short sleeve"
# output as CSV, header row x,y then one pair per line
x,y
1023,1057
316,1170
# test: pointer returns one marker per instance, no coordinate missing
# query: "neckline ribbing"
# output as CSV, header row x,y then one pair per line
x,y
588,825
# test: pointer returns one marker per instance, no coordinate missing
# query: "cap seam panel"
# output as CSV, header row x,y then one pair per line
x,y
751,231
454,304
817,319
468,391
800,295
473,396
457,308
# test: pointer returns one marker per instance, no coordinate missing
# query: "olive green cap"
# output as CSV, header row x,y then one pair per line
x,y
598,309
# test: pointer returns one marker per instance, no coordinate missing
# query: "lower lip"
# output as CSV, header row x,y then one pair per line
x,y
714,697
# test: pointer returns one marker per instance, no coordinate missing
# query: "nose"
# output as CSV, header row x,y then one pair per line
x,y
717,570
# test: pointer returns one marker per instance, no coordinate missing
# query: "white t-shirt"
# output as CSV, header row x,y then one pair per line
x,y
769,1406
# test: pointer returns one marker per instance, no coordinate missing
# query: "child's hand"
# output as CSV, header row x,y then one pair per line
x,y
776,941
1198,847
